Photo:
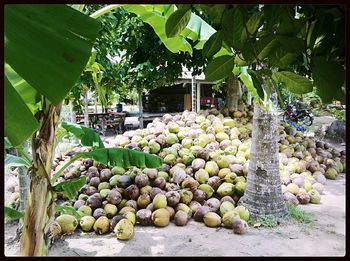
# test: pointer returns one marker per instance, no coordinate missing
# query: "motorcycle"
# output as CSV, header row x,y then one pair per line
x,y
302,116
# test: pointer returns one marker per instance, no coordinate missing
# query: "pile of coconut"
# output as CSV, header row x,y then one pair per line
x,y
206,159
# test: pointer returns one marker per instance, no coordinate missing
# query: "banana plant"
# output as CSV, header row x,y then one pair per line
x,y
46,49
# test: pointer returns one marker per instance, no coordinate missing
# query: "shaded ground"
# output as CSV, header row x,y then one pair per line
x,y
325,237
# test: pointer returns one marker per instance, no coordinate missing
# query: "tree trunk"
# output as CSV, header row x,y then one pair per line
x,y
86,109
73,117
23,180
95,101
140,110
232,94
263,194
40,208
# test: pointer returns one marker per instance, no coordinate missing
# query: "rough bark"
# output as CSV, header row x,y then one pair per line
x,y
40,208
263,194
232,94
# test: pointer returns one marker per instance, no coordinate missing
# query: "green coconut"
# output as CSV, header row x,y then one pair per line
x,y
86,223
124,229
307,185
331,173
228,218
230,177
104,193
113,181
229,122
222,162
170,159
159,201
68,223
154,147
164,175
223,172
187,143
293,188
221,136
211,219
207,189
315,197
225,189
131,216
242,212
111,210
186,196
118,171
218,127
171,139
201,176
225,207
161,217
85,211
187,158
185,208
101,225
212,168
240,188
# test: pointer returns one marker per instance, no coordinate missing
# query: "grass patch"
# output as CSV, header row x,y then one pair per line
x,y
299,215
267,221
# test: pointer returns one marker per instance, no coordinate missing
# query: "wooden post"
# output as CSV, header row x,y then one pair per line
x,y
194,94
140,110
198,98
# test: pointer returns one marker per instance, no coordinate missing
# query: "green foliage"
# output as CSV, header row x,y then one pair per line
x,y
49,53
329,77
13,214
308,45
293,82
62,209
87,136
213,45
219,68
70,187
177,22
123,157
47,46
7,143
299,215
268,221
114,157
144,62
19,120
338,114
14,161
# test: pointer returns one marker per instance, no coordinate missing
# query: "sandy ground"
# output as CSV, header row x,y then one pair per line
x,y
325,237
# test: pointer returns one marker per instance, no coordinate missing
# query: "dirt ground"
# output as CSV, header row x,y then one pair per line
x,y
325,237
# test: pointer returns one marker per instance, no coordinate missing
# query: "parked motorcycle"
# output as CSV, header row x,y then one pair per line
x,y
301,116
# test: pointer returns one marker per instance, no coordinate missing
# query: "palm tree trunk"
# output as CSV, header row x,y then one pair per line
x,y
232,94
40,207
263,194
